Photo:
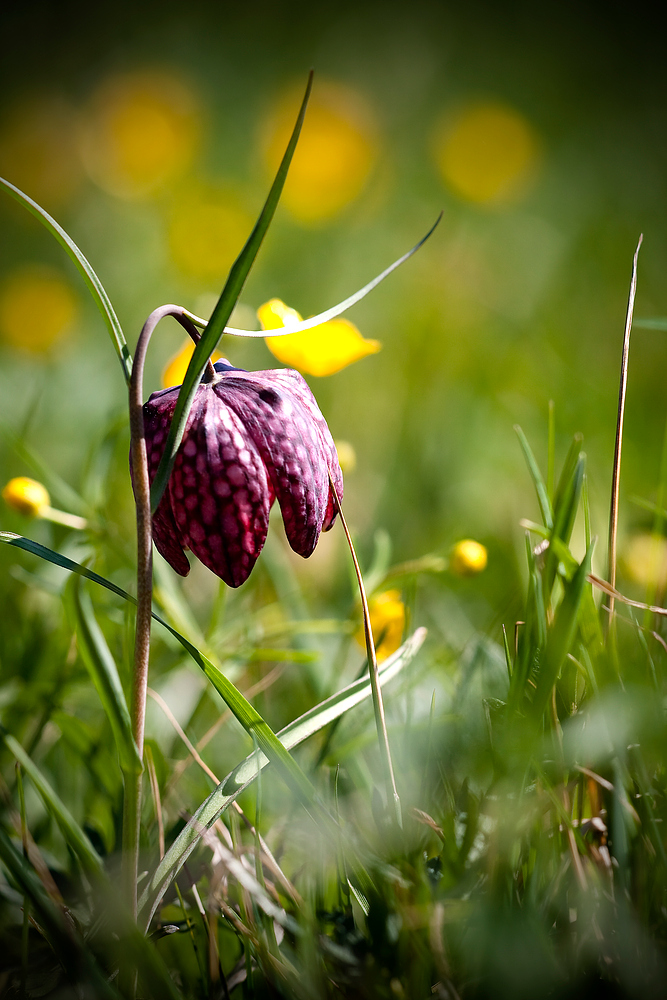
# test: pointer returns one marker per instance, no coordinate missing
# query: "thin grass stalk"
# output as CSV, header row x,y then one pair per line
x,y
142,493
378,704
616,475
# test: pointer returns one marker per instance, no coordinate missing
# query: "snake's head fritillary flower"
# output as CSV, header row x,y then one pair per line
x,y
250,438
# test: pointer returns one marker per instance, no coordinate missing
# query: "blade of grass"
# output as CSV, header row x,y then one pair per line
x,y
536,476
72,832
245,773
328,314
223,310
95,286
551,450
616,474
97,657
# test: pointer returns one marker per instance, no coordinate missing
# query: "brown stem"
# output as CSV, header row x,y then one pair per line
x,y
142,495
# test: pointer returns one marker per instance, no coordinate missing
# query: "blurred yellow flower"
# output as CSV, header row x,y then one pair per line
x,y
323,350
387,613
176,367
645,560
38,149
347,456
141,132
206,232
27,496
488,153
36,308
335,155
468,558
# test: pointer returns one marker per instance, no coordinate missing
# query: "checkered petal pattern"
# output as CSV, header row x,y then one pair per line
x,y
251,437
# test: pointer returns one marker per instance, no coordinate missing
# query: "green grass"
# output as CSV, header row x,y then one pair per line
x,y
530,766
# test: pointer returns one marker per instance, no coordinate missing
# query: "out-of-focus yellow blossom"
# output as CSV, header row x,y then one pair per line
x,y
488,153
347,456
27,496
36,308
645,560
206,232
468,558
323,350
335,155
176,367
387,613
141,132
38,149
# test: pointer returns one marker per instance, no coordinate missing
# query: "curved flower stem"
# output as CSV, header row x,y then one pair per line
x,y
142,494
376,690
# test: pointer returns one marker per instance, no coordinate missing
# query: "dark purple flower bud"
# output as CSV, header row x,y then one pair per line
x,y
251,437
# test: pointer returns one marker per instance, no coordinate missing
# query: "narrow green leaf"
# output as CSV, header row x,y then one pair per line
x,y
536,476
562,633
241,777
103,671
72,832
95,286
222,312
657,323
328,314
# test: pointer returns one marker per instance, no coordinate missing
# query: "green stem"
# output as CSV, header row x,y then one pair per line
x,y
376,690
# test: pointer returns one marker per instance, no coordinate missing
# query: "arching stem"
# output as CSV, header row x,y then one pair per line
x,y
142,496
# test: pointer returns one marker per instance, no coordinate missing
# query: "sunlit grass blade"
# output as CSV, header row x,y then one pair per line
x,y
536,476
561,635
95,286
103,671
656,323
223,310
238,780
72,832
328,314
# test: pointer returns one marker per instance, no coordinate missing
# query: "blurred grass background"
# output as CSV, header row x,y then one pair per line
x,y
150,134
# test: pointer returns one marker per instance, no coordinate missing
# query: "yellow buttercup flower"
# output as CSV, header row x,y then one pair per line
x,y
323,350
468,558
207,229
645,560
36,308
387,613
488,153
176,367
335,155
27,496
141,131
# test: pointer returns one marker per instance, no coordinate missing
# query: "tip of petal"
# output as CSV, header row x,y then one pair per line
x,y
322,350
274,314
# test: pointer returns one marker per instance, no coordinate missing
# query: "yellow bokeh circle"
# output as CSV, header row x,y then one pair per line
x,y
37,308
141,131
207,230
335,154
26,495
488,153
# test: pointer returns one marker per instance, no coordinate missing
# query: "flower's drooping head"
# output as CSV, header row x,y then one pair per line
x,y
251,437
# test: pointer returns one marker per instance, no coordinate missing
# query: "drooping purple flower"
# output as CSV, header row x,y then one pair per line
x,y
251,437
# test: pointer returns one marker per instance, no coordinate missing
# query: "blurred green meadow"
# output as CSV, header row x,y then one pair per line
x,y
152,135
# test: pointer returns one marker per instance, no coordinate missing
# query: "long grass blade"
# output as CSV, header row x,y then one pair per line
x,y
95,286
328,314
223,310
245,773
618,446
536,476
72,832
101,666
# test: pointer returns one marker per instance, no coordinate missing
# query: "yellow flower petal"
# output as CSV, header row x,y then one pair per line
x,y
176,367
26,495
468,558
387,621
324,350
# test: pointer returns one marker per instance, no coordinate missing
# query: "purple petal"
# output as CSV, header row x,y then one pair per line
x,y
219,493
280,414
